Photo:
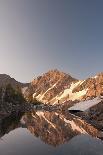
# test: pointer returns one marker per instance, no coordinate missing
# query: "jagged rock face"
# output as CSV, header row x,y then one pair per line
x,y
57,87
49,85
6,79
94,86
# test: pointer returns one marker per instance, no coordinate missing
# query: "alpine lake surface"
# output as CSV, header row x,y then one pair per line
x,y
48,133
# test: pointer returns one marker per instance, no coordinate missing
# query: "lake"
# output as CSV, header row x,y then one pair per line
x,y
48,133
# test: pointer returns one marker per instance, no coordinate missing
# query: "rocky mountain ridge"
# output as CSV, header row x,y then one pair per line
x,y
6,79
57,87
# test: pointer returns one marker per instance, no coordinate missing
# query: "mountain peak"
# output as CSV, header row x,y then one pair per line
x,y
54,71
50,84
56,85
52,76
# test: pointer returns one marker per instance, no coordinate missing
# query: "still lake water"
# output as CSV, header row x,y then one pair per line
x,y
48,133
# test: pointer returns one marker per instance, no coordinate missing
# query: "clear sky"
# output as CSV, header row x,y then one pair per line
x,y
39,35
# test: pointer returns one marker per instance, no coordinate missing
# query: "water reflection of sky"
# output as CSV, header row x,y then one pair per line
x,y
21,142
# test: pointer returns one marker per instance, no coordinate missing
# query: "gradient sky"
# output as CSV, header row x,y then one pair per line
x,y
39,35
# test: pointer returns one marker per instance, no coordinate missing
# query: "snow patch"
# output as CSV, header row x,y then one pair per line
x,y
95,77
85,105
40,97
47,91
68,93
34,95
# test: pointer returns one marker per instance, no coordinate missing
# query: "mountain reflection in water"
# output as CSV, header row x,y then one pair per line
x,y
62,133
55,128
